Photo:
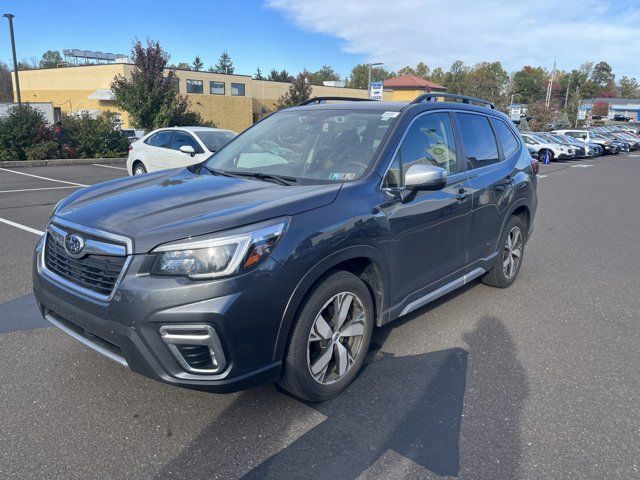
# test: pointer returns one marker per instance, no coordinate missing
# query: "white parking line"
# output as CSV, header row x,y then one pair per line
x,y
107,166
35,189
21,227
542,176
581,166
45,178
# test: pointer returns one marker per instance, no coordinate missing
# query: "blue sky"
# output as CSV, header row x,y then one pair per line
x,y
297,34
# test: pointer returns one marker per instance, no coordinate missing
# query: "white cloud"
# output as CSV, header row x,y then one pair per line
x,y
515,32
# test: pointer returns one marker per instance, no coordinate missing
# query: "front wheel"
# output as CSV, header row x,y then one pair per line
x,y
330,338
509,258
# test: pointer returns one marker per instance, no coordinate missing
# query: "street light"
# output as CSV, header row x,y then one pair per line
x,y
369,84
15,61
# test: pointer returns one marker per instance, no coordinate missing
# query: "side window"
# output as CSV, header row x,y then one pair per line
x,y
181,138
478,140
507,139
529,141
161,139
429,141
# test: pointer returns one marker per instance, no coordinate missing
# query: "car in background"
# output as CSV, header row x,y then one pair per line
x,y
591,149
547,150
580,149
132,134
175,147
587,136
632,140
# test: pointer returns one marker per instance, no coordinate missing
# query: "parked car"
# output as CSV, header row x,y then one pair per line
x,y
132,134
175,147
580,150
275,259
633,141
591,149
586,136
548,149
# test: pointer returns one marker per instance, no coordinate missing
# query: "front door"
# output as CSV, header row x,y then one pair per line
x,y
428,233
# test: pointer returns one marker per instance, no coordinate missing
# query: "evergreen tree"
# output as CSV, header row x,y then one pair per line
x,y
258,75
224,65
197,64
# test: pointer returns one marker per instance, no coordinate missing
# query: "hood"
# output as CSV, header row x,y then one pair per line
x,y
174,204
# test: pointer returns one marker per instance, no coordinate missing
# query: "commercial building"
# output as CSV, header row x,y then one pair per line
x,y
407,87
230,101
628,108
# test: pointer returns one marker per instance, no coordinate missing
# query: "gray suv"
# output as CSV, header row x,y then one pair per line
x,y
274,259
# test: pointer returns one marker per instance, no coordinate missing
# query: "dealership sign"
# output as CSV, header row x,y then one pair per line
x,y
376,91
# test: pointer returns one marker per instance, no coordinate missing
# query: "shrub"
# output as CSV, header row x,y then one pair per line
x,y
24,129
87,137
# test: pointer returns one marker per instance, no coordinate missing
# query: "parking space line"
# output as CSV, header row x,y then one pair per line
x,y
21,227
36,189
107,166
542,176
44,178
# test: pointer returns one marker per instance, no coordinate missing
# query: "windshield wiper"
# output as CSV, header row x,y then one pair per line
x,y
217,172
280,179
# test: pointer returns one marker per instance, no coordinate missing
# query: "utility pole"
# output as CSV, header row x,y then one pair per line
x,y
369,83
550,84
566,97
15,60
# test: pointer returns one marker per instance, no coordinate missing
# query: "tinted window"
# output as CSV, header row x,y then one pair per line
x,y
215,140
181,138
194,86
216,88
237,89
507,138
428,141
161,139
478,139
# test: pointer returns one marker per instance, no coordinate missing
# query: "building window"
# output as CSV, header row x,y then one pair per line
x,y
216,88
194,86
237,89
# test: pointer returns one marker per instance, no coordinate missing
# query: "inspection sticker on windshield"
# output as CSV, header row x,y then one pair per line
x,y
342,176
388,115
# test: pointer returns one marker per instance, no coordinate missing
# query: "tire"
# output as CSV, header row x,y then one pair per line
x,y
543,153
311,343
502,275
138,168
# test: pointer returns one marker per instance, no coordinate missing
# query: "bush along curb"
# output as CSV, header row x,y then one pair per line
x,y
63,161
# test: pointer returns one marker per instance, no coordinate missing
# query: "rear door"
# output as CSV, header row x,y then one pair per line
x,y
158,151
428,232
181,159
490,165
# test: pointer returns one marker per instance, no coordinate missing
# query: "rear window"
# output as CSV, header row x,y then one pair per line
x,y
507,138
479,142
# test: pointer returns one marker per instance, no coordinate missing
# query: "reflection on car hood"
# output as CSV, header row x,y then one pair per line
x,y
174,204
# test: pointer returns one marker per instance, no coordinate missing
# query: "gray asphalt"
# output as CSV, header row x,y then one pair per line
x,y
536,381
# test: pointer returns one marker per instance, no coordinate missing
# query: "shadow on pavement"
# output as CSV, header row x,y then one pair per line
x,y
412,405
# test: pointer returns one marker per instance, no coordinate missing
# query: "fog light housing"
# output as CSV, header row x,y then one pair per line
x,y
197,348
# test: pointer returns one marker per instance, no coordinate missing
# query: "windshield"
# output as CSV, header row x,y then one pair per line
x,y
214,141
314,146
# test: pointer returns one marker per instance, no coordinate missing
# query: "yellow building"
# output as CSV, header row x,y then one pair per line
x,y
230,101
407,87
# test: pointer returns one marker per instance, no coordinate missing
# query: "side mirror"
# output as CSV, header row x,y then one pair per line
x,y
187,149
425,177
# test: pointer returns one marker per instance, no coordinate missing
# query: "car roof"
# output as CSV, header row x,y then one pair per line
x,y
198,129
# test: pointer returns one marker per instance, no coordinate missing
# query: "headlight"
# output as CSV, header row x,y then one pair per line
x,y
216,256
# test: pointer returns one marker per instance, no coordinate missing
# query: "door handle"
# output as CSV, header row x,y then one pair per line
x,y
462,194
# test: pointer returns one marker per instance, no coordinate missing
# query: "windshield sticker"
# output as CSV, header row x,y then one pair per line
x,y
388,115
341,176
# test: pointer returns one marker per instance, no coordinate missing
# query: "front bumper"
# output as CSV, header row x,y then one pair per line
x,y
245,312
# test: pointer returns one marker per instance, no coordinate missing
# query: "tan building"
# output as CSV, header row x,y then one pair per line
x,y
407,87
230,101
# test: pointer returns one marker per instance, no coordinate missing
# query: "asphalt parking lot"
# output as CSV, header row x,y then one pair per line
x,y
536,381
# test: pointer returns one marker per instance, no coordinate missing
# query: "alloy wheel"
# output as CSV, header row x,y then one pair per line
x,y
335,339
512,253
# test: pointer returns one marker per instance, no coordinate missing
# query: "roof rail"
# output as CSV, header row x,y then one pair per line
x,y
318,100
433,96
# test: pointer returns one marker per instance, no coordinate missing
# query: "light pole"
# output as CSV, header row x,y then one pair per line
x,y
15,61
369,83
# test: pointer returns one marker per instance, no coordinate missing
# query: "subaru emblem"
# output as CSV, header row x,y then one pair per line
x,y
74,244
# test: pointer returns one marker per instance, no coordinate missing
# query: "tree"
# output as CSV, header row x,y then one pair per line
x,y
529,84
406,71
488,80
197,64
541,116
6,87
50,59
181,66
151,95
628,88
437,76
600,109
325,74
359,77
279,76
299,91
455,79
423,71
224,65
258,75
602,75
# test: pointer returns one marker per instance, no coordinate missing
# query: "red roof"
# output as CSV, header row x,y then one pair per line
x,y
411,81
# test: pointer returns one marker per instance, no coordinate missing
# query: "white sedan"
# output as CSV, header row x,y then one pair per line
x,y
175,147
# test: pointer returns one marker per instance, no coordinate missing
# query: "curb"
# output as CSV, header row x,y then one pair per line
x,y
63,161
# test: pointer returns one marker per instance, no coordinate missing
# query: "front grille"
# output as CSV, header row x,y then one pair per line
x,y
97,273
